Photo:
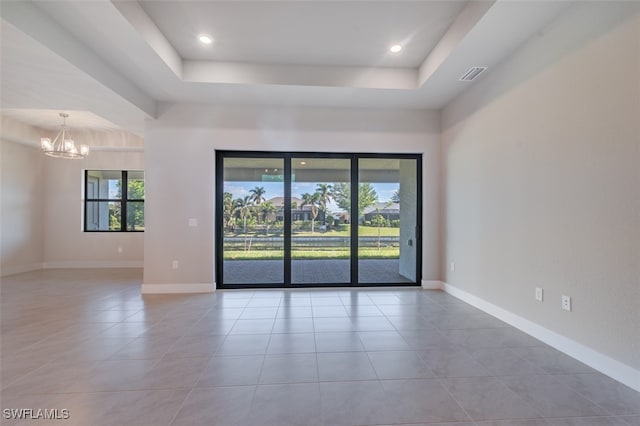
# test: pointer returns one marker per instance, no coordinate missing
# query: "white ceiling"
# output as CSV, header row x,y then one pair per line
x,y
117,60
348,33
50,120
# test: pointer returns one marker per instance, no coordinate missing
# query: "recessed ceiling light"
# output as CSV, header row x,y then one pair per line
x,y
303,162
205,39
396,48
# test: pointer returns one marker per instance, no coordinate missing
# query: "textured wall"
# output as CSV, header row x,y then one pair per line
x,y
179,157
21,192
541,161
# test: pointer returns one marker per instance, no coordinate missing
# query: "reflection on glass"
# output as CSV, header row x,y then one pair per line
x,y
105,184
104,216
387,205
253,221
320,220
135,216
135,185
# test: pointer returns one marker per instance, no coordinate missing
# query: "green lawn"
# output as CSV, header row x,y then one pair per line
x,y
332,253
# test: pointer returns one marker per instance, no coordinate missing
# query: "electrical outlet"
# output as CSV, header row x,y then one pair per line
x,y
119,249
539,294
193,222
174,265
453,266
566,303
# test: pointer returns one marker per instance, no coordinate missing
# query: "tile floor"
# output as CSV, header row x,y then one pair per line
x,y
86,341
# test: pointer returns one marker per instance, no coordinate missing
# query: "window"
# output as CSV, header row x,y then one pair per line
x,y
111,205
288,219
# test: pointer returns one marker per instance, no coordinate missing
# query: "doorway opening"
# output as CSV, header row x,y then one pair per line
x,y
317,219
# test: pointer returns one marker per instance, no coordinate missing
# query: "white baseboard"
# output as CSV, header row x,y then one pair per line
x,y
594,359
178,288
20,269
89,264
432,285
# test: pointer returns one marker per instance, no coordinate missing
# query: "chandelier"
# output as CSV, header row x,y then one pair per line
x,y
63,146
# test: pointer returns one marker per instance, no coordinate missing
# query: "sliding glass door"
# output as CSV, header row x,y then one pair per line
x,y
302,219
388,222
320,234
252,221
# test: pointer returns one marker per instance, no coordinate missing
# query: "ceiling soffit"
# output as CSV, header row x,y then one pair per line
x,y
127,49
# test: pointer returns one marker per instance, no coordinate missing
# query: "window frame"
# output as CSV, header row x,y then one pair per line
x,y
289,156
123,201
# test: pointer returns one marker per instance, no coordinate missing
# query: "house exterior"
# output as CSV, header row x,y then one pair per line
x,y
388,211
300,213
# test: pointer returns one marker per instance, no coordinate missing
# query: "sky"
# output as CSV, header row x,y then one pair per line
x,y
276,189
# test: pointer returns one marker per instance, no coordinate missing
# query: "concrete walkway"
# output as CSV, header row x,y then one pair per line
x,y
320,271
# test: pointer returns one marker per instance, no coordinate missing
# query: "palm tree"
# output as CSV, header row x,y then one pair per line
x,y
228,208
243,208
324,196
257,194
395,198
268,213
257,197
311,200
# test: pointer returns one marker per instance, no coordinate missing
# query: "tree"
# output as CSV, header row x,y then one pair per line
x,y
135,210
341,193
324,196
378,220
311,200
135,189
243,209
227,204
257,194
367,196
257,197
395,198
268,214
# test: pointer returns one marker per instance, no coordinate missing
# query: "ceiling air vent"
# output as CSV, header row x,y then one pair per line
x,y
472,73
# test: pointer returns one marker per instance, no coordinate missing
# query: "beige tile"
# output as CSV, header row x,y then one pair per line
x,y
112,375
173,373
195,346
146,348
87,341
216,406
17,402
48,379
140,408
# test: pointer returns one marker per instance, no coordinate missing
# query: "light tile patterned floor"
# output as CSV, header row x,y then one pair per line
x,y
86,341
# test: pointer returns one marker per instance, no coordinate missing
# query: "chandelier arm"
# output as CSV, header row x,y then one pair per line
x,y
60,148
53,144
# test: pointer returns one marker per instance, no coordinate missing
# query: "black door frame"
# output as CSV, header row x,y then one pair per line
x,y
220,155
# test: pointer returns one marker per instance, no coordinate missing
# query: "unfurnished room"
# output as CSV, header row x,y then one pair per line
x,y
320,212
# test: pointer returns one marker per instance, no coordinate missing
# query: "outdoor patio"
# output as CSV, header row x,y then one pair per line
x,y
320,271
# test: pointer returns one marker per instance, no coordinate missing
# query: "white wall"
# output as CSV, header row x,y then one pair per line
x,y
541,160
21,194
65,243
42,202
179,157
